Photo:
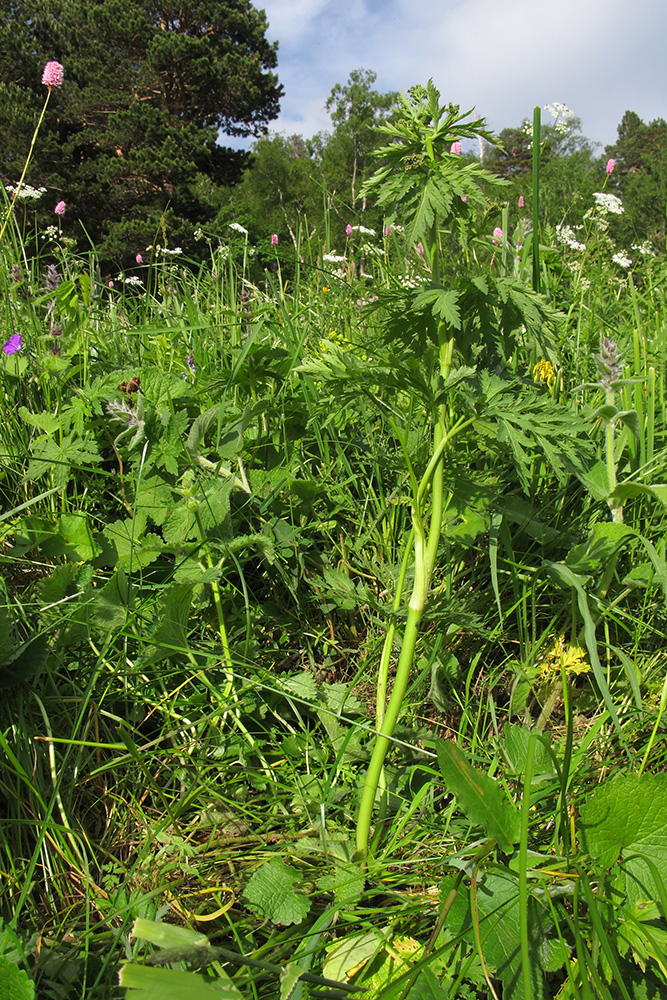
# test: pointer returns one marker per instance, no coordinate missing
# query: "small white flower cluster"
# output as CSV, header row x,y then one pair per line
x,y
644,248
238,228
621,259
608,203
198,234
133,279
333,258
565,235
51,232
363,230
26,192
165,250
372,251
562,115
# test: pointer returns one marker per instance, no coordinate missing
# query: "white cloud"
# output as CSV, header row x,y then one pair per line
x,y
599,57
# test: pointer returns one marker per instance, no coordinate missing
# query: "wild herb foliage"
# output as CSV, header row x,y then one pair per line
x,y
333,609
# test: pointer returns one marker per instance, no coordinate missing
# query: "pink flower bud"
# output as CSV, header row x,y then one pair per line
x,y
139,259
610,166
348,229
497,234
387,230
60,208
420,248
456,148
52,75
521,201
110,284
464,197
274,240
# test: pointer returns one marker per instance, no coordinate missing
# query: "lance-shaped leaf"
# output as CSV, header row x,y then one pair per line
x,y
482,799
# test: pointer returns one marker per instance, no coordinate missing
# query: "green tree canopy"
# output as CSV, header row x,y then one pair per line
x,y
641,177
130,143
347,154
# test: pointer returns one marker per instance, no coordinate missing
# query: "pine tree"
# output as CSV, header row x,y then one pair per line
x,y
130,143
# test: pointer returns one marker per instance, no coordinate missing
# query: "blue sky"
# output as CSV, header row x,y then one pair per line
x,y
598,57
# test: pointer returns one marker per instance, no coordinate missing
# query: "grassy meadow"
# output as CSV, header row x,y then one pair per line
x,y
333,604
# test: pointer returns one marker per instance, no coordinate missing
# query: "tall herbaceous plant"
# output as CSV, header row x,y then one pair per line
x,y
458,332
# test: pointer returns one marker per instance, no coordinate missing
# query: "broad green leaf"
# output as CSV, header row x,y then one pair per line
x,y
397,959
271,896
347,883
75,531
172,984
24,661
349,955
482,799
427,987
514,747
170,637
168,935
135,546
497,905
625,820
15,983
603,541
45,421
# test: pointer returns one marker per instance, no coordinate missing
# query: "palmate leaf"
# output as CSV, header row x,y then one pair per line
x,y
529,422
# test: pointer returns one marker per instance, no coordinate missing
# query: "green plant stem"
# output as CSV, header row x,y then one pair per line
x,y
388,723
25,168
537,148
424,559
523,868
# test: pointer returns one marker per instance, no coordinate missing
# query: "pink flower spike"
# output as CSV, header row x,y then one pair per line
x,y
387,230
274,240
348,230
110,284
610,166
139,259
14,344
60,208
420,248
521,201
52,75
456,148
497,234
464,197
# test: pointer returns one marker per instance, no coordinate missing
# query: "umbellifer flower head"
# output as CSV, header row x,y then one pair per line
x,y
52,75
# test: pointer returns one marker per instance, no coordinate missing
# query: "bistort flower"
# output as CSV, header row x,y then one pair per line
x,y
52,75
